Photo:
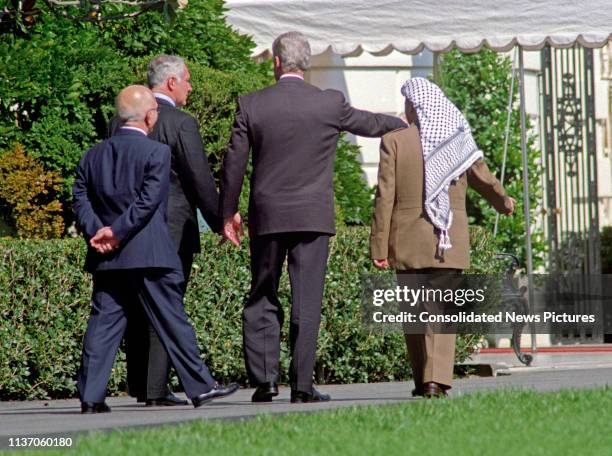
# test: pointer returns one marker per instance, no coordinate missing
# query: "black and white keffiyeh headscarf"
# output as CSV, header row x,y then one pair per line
x,y
448,149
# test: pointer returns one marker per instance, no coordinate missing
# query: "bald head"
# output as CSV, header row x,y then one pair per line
x,y
137,107
134,102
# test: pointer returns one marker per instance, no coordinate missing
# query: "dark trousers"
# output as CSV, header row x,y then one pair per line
x,y
148,364
263,317
160,293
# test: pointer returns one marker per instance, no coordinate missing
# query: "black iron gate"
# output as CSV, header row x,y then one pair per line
x,y
571,172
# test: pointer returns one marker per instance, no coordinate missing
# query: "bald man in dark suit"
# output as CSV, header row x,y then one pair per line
x,y
120,200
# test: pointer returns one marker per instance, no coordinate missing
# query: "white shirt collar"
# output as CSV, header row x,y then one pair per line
x,y
292,75
165,97
126,127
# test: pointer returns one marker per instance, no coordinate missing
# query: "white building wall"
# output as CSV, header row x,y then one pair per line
x,y
372,83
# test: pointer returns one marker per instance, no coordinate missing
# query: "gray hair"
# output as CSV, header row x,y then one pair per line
x,y
127,113
162,67
293,50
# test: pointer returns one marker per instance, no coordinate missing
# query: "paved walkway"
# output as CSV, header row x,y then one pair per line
x,y
61,418
587,357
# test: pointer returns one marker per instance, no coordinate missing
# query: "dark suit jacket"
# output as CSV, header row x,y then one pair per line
x,y
123,183
191,181
292,128
401,230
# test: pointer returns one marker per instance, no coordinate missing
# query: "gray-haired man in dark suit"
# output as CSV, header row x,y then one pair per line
x,y
292,128
191,187
120,200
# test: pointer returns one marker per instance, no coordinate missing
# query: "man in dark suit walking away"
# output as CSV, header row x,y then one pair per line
x,y
191,186
292,128
191,181
120,202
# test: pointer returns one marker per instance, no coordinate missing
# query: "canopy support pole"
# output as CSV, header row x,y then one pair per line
x,y
526,197
506,133
436,67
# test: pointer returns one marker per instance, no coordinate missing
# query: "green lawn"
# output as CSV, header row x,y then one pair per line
x,y
571,422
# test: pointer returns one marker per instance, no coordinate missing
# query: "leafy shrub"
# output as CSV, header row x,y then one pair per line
x,y
199,33
29,194
353,196
44,305
479,84
6,230
57,104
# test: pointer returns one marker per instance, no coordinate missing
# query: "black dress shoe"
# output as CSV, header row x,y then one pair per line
x,y
314,396
168,400
94,407
433,389
215,393
265,392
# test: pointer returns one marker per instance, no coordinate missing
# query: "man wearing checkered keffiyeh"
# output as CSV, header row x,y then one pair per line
x,y
423,169
448,149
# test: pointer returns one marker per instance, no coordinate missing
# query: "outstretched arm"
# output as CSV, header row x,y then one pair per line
x,y
484,182
364,123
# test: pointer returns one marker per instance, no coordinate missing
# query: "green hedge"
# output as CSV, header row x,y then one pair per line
x,y
353,196
59,77
57,115
44,305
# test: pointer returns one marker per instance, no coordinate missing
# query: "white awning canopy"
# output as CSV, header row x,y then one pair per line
x,y
379,26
